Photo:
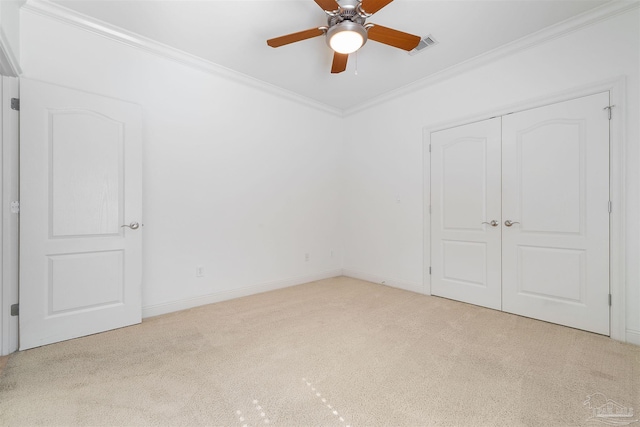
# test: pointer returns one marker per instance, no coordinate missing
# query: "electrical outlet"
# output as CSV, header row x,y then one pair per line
x,y
306,256
199,271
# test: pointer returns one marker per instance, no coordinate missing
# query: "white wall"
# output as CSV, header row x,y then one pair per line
x,y
384,167
236,179
9,21
10,36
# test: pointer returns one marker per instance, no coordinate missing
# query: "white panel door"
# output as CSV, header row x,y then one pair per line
x,y
555,162
80,182
465,196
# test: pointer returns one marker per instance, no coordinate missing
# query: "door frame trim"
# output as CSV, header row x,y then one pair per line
x,y
10,191
617,184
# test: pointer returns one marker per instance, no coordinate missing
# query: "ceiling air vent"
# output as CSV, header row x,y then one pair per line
x,y
426,42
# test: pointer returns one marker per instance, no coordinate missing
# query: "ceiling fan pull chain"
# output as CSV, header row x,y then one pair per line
x,y
356,73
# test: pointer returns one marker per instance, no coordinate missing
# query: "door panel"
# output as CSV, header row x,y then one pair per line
x,y
556,186
80,169
69,274
542,269
86,195
550,175
465,192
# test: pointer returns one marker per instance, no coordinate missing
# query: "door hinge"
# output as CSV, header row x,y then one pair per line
x,y
15,207
609,299
610,206
429,270
15,104
609,108
15,309
429,147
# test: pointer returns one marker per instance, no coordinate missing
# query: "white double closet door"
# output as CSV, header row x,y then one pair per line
x,y
520,213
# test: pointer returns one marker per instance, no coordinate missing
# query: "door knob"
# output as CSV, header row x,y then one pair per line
x,y
493,223
509,223
134,225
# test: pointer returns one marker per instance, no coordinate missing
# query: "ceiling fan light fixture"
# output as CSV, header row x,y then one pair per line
x,y
346,37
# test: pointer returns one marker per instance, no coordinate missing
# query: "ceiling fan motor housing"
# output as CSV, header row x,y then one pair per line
x,y
348,10
348,17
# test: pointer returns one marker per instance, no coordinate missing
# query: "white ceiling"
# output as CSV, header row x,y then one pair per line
x,y
233,34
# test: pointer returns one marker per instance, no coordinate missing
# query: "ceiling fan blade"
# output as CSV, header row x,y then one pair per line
x,y
339,62
329,5
295,37
372,6
393,37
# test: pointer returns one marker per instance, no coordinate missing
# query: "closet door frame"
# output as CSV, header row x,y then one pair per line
x,y
617,167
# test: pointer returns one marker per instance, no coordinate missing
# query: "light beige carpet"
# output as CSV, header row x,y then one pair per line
x,y
336,352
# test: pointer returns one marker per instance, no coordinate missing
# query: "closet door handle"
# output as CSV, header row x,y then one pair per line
x,y
493,223
134,225
509,223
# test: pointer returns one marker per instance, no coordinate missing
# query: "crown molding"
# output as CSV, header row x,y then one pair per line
x,y
129,38
9,65
591,17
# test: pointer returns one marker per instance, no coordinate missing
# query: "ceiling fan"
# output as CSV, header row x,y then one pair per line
x,y
346,30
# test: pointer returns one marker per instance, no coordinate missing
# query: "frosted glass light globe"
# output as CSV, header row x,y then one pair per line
x,y
346,37
346,42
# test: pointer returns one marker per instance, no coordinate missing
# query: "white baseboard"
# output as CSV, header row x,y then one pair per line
x,y
170,307
394,283
633,337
